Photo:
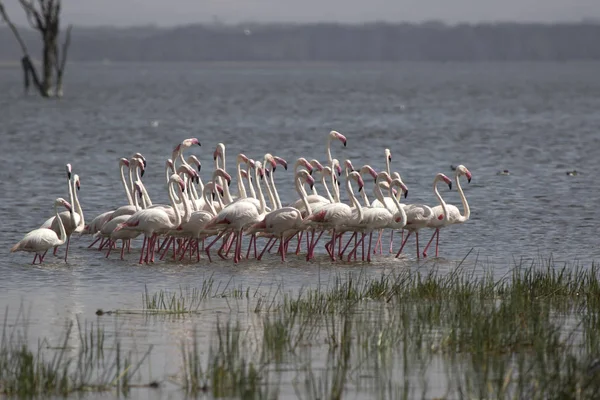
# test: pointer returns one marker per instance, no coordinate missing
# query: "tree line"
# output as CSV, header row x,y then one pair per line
x,y
431,41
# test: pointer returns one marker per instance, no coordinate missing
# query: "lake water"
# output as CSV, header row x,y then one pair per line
x,y
537,120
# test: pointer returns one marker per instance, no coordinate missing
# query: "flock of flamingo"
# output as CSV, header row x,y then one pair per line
x,y
183,226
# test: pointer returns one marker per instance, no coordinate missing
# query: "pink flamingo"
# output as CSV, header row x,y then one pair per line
x,y
454,215
418,215
40,240
152,221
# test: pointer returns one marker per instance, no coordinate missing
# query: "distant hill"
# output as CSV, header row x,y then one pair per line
x,y
432,41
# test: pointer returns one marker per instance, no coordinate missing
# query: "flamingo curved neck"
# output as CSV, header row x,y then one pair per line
x,y
398,206
251,185
174,205
125,186
193,195
270,194
241,188
186,207
467,210
61,227
274,188
206,193
78,207
71,199
324,182
302,193
439,196
353,200
261,198
366,198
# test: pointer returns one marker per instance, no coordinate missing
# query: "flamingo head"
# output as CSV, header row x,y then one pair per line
x,y
444,178
241,158
367,169
140,163
281,161
337,167
315,164
138,188
244,173
348,165
77,182
356,176
383,175
186,169
141,157
398,182
223,174
123,162
62,202
219,151
388,155
194,160
69,171
338,136
271,160
190,142
260,170
462,170
170,166
251,163
310,180
177,179
303,162
219,188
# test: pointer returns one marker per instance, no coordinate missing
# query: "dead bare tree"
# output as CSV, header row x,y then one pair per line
x,y
44,17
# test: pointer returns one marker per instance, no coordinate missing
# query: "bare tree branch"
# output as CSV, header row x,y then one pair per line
x,y
13,28
33,16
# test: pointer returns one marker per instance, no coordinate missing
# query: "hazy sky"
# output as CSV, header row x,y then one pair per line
x,y
172,12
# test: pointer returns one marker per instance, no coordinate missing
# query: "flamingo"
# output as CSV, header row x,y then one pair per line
x,y
178,150
235,217
134,163
333,216
286,221
108,230
40,240
454,215
151,221
418,215
71,221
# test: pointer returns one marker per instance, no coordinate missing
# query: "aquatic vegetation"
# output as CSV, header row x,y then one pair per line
x,y
80,362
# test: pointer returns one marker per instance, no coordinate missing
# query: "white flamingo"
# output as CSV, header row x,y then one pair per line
x,y
71,220
285,222
40,240
237,216
151,221
418,215
332,216
454,214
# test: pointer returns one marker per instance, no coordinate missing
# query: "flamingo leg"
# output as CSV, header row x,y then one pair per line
x,y
265,248
207,248
123,248
392,242
417,236
94,242
197,250
354,250
435,233
369,252
143,246
55,250
249,246
333,246
35,258
403,244
109,250
238,247
350,240
300,235
128,245
282,248
437,242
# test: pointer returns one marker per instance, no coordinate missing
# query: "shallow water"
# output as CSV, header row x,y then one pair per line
x,y
537,120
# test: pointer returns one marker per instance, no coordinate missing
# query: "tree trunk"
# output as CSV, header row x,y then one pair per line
x,y
48,66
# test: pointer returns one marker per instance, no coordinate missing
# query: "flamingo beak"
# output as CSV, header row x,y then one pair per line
x,y
469,177
450,185
405,191
142,173
267,173
69,171
199,167
282,162
273,164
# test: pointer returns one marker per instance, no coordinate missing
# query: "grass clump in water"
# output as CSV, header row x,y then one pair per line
x,y
27,372
185,301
